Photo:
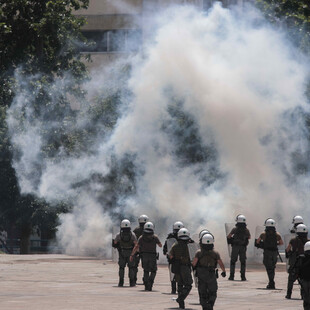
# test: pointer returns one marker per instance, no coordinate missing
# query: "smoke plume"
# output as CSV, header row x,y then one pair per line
x,y
209,124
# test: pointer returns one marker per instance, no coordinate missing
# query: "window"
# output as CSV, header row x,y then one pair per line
x,y
207,4
98,41
118,40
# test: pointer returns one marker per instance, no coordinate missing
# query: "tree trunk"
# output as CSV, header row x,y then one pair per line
x,y
25,240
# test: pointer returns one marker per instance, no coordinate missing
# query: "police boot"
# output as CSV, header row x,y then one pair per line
x,y
181,303
121,282
173,287
243,278
271,285
288,293
232,271
242,272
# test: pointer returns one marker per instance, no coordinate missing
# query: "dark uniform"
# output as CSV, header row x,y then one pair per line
x,y
207,282
125,241
303,269
270,239
138,232
181,267
147,247
240,240
165,251
297,249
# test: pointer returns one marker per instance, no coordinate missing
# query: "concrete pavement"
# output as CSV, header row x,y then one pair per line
x,y
50,282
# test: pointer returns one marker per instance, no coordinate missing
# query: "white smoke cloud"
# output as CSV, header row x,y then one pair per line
x,y
240,81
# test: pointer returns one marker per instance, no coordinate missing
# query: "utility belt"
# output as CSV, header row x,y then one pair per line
x,y
127,249
125,252
153,253
271,249
209,268
176,265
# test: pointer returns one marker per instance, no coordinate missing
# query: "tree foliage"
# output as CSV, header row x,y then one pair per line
x,y
39,62
294,15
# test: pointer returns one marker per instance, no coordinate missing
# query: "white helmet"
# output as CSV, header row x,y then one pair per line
x,y
178,225
307,246
183,234
297,219
270,223
240,218
207,239
301,228
125,224
203,232
143,219
148,227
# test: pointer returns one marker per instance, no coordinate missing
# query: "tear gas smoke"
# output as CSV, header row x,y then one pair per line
x,y
212,125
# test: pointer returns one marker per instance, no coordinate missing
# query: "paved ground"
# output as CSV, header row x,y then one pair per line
x,y
48,282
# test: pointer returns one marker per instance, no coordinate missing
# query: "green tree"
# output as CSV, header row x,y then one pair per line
x,y
38,50
294,15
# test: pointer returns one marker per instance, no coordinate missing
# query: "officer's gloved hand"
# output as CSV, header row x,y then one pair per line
x,y
223,274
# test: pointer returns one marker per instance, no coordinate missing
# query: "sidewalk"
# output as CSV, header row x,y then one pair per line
x,y
50,282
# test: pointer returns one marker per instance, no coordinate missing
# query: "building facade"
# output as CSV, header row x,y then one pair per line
x,y
119,27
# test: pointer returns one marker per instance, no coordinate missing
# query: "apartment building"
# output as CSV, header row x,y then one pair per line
x,y
119,27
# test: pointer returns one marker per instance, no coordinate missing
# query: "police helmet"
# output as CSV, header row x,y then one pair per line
x,y
240,218
207,239
143,219
297,219
301,228
148,227
307,247
183,234
270,222
203,232
178,225
125,224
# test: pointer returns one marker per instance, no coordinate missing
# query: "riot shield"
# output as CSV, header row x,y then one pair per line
x,y
192,249
196,238
287,238
228,228
115,231
170,243
171,274
258,253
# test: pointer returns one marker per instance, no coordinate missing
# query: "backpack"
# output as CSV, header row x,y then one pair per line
x,y
271,242
125,235
240,237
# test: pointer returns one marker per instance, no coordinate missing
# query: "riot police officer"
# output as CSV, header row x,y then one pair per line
x,y
303,271
294,249
181,266
138,231
269,241
172,236
297,219
147,247
205,263
239,239
125,241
